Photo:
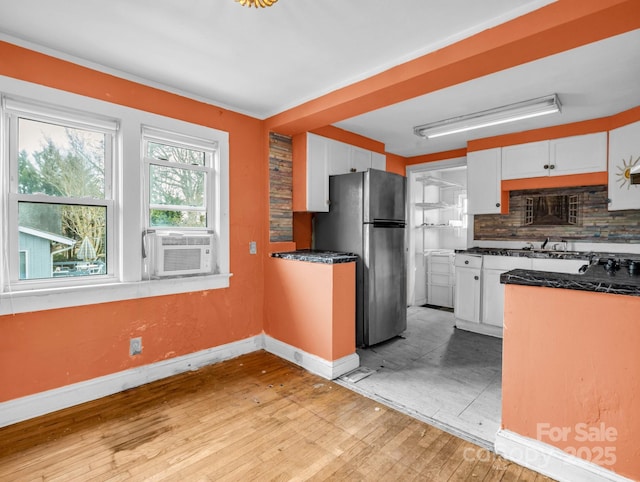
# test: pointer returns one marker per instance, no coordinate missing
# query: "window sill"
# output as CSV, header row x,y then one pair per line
x,y
54,298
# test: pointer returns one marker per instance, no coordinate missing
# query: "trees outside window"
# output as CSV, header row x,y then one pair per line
x,y
63,195
180,181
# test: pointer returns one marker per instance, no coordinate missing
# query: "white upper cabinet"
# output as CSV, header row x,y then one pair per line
x,y
327,157
578,154
359,159
525,160
624,153
317,174
378,161
483,181
338,156
558,157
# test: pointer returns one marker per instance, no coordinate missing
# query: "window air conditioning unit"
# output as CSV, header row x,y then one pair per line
x,y
174,254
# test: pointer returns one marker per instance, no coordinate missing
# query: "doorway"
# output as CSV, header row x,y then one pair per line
x,y
436,226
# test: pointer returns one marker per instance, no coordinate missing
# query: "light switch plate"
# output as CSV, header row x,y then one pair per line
x,y
253,248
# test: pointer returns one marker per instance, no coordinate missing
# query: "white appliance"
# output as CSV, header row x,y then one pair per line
x,y
175,254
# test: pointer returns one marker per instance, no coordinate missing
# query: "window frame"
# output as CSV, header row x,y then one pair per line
x,y
129,281
13,111
210,169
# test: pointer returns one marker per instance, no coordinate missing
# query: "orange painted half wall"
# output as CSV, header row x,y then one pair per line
x,y
311,306
49,349
570,373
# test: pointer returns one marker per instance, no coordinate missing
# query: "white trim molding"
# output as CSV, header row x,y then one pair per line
x,y
313,363
32,406
550,461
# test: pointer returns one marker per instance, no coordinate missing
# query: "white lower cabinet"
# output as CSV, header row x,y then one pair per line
x,y
479,294
467,292
493,290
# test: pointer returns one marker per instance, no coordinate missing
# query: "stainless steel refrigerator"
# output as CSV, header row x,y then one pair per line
x,y
367,217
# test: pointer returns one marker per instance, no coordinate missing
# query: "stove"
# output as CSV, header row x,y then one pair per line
x,y
613,265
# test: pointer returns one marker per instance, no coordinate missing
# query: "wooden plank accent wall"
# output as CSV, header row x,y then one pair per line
x,y
280,188
596,223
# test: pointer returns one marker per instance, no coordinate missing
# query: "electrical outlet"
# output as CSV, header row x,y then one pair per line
x,y
135,346
253,247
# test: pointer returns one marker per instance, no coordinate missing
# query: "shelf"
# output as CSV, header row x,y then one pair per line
x,y
435,181
436,205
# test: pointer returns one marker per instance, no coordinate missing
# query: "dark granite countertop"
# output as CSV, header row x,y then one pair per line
x,y
548,254
527,253
317,256
595,279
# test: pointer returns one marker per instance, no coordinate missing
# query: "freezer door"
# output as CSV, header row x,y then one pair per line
x,y
384,196
385,288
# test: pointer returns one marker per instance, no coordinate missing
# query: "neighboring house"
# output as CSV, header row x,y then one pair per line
x,y
36,252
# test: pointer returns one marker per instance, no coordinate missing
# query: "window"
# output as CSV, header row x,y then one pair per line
x,y
82,179
180,184
181,174
61,204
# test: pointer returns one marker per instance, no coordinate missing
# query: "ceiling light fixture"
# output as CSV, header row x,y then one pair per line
x,y
549,104
256,3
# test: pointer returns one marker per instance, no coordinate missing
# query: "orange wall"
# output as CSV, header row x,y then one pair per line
x,y
347,137
311,306
59,347
571,358
437,156
396,164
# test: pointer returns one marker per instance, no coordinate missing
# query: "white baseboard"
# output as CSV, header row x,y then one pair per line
x,y
31,406
314,364
550,461
482,328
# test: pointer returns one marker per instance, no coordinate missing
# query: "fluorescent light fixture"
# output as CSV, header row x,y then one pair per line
x,y
549,104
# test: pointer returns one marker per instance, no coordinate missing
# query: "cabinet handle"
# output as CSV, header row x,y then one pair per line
x,y
466,262
546,166
552,166
497,205
476,278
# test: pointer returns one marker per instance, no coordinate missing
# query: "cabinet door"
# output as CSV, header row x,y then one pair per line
x,y
492,298
317,174
579,154
525,160
467,294
360,159
483,181
624,153
378,161
338,162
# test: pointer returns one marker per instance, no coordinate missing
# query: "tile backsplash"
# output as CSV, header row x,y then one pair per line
x,y
594,222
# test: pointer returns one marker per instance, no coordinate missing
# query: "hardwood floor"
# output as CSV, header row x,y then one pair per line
x,y
256,417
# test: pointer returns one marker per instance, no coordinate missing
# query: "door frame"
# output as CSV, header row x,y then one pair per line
x,y
411,172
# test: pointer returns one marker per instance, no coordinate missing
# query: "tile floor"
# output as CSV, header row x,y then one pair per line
x,y
447,377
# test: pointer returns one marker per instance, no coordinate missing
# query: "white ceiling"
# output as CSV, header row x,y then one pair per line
x,y
263,61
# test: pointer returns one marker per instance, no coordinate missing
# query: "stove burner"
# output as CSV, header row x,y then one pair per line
x,y
612,265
